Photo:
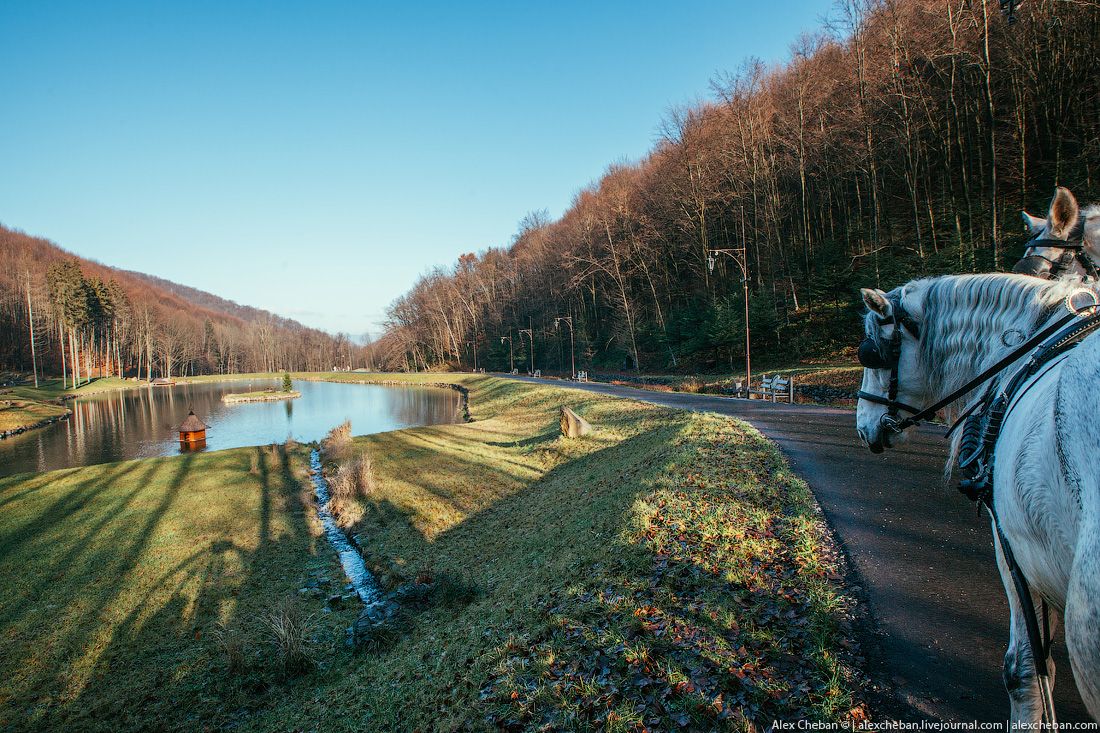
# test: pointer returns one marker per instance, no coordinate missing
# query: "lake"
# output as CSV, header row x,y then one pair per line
x,y
141,423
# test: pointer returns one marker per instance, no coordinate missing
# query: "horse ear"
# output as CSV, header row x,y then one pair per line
x,y
876,301
1063,211
1033,224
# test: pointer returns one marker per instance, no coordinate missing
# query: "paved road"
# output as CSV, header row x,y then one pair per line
x,y
922,554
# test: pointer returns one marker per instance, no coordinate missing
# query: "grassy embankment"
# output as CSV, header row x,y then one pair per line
x,y
23,406
666,572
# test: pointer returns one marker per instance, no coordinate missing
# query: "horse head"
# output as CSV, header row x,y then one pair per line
x,y
890,355
1067,241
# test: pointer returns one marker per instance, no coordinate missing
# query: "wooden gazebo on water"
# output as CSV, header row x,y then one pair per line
x,y
192,430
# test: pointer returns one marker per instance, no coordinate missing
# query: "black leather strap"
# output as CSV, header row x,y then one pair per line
x,y
990,372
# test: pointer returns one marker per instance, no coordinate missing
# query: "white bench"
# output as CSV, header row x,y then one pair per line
x,y
776,388
582,376
538,374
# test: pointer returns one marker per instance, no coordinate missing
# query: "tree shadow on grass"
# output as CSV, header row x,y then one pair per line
x,y
131,592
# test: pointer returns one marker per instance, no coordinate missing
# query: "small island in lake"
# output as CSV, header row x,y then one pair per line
x,y
262,396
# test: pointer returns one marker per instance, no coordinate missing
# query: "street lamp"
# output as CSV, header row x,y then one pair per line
x,y
473,346
532,337
511,360
572,352
740,257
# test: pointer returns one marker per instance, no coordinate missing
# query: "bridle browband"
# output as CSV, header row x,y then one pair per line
x,y
872,356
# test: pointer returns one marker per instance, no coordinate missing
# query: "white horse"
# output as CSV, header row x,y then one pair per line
x,y
1046,254
1047,471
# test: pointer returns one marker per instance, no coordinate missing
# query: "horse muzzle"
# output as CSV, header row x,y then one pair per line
x,y
888,427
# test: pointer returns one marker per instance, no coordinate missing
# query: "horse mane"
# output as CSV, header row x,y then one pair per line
x,y
964,321
1089,221
965,318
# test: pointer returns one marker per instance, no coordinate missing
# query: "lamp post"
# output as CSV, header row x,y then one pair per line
x,y
532,337
740,257
473,347
511,360
572,352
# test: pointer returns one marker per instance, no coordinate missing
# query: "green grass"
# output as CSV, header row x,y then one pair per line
x,y
119,578
666,571
16,414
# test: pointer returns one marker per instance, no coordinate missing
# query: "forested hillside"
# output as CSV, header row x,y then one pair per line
x,y
92,320
901,140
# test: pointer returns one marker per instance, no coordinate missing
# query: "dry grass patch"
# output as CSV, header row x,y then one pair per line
x,y
352,485
291,631
337,442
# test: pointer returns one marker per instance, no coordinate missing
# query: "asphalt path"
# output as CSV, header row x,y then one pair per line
x,y
921,554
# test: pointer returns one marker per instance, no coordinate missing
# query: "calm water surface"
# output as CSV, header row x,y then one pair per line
x,y
141,423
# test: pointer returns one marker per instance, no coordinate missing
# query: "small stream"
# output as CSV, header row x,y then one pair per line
x,y
366,587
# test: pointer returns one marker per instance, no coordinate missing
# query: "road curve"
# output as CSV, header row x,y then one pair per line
x,y
922,554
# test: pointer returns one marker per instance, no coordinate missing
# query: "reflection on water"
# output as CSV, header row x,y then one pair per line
x,y
141,423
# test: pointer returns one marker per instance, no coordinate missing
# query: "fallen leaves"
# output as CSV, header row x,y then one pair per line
x,y
735,618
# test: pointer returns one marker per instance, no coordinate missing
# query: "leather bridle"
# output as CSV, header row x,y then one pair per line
x,y
1072,253
872,355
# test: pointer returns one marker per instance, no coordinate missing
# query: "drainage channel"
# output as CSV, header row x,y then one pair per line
x,y
361,579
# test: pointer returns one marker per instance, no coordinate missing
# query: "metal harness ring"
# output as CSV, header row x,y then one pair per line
x,y
1088,308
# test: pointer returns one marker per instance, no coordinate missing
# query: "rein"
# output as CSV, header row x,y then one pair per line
x,y
890,421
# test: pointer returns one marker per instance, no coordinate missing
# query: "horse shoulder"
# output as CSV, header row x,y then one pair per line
x,y
1077,428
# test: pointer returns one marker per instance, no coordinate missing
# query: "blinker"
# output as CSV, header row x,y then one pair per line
x,y
871,357
1036,266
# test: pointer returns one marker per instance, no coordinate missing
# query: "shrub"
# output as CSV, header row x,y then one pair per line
x,y
232,645
290,633
692,385
287,384
353,480
337,442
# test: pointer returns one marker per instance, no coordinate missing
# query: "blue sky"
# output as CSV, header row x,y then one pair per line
x,y
314,158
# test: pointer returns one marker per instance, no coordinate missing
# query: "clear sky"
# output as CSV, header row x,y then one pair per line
x,y
313,158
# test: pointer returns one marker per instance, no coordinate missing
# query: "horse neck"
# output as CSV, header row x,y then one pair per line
x,y
961,341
